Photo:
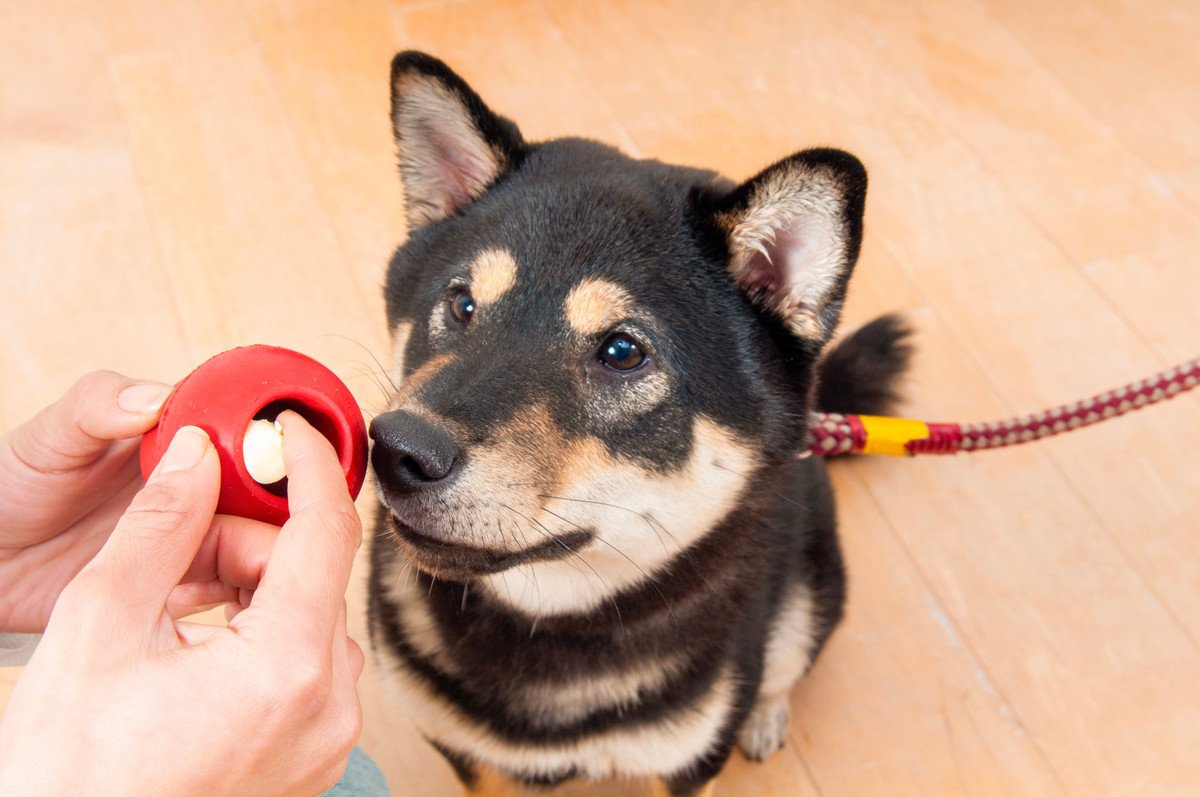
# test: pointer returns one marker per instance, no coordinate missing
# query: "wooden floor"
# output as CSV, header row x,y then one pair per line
x,y
177,178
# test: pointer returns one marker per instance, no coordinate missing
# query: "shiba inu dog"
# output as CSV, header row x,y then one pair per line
x,y
599,551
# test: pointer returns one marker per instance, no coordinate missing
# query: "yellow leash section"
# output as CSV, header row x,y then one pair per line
x,y
832,434
891,436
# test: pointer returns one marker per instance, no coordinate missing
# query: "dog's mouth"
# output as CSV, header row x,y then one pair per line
x,y
458,562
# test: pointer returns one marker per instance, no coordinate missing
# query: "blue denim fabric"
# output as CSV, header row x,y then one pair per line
x,y
362,779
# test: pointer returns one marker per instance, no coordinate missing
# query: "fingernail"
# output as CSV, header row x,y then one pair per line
x,y
186,450
143,399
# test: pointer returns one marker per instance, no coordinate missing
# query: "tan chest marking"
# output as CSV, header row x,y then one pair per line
x,y
564,703
669,744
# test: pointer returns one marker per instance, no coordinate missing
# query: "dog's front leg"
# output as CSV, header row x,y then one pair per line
x,y
478,780
490,783
672,788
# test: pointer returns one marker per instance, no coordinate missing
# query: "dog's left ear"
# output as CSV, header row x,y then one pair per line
x,y
793,233
452,146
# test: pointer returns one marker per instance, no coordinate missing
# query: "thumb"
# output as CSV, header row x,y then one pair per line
x,y
156,539
100,408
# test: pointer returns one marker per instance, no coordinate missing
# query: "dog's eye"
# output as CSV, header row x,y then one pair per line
x,y
620,352
461,305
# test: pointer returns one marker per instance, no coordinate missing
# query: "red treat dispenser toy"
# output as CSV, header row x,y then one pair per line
x,y
236,387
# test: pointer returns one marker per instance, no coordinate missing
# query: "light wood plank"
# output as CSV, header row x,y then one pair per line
x,y
521,65
1084,188
1134,65
947,239
81,272
1020,622
334,100
244,236
891,691
1155,290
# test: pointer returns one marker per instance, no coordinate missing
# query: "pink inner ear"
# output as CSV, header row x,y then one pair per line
x,y
761,278
795,265
463,173
455,195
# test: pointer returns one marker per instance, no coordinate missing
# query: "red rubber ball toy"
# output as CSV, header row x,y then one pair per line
x,y
230,390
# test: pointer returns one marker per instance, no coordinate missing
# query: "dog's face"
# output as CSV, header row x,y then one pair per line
x,y
594,354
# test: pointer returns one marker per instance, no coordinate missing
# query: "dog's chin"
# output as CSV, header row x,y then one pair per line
x,y
452,561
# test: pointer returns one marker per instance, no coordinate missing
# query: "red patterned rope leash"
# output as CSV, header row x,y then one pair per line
x,y
833,434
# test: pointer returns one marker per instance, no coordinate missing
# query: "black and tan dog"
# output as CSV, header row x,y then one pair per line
x,y
598,553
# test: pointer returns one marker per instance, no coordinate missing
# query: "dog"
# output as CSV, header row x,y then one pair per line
x,y
600,550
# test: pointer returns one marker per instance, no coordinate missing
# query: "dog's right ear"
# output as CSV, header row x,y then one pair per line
x,y
452,147
793,233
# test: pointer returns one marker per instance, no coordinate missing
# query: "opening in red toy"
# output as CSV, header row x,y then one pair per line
x,y
230,390
325,417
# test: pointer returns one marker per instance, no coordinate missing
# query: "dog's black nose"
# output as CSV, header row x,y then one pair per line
x,y
412,453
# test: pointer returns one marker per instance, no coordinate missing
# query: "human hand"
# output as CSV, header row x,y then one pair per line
x,y
66,477
122,698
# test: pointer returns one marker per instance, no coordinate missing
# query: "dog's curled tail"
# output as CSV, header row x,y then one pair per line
x,y
861,374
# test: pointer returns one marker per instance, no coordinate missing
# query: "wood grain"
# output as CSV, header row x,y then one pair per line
x,y
179,178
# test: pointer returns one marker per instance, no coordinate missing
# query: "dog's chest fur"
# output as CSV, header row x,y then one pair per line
x,y
651,682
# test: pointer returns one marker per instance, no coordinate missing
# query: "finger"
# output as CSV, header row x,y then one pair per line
x,y
196,597
197,633
341,720
338,727
235,551
328,778
347,655
158,536
339,628
356,658
234,608
101,407
306,576
341,658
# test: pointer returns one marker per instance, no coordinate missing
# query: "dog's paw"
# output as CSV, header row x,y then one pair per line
x,y
766,729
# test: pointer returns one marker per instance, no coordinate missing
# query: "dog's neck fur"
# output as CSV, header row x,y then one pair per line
x,y
687,615
705,569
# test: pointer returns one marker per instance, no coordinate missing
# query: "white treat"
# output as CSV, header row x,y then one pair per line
x,y
262,450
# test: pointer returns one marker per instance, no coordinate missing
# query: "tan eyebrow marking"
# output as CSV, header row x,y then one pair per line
x,y
594,305
493,273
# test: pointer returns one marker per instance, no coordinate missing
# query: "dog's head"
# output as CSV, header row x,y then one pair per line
x,y
594,354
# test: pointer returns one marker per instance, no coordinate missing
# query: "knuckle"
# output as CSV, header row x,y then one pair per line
x,y
261,686
307,687
338,738
159,505
94,380
335,517
287,690
93,395
331,776
356,656
349,728
342,519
